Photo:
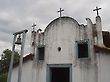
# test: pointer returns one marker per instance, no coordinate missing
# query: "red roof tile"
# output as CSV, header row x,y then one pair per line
x,y
25,59
101,49
106,38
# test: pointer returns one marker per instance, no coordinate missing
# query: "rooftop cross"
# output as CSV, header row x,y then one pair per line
x,y
97,9
60,11
33,26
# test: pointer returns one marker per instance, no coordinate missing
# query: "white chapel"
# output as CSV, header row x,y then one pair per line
x,y
68,52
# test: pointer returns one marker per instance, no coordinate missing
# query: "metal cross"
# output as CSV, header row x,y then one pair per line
x,y
97,9
60,11
33,26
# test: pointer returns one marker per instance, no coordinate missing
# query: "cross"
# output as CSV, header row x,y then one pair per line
x,y
33,26
97,9
60,11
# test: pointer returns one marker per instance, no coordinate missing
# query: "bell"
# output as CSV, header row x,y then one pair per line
x,y
18,42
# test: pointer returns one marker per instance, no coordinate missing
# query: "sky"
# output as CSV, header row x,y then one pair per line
x,y
17,15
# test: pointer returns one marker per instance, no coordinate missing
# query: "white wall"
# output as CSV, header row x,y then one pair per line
x,y
27,73
103,67
63,33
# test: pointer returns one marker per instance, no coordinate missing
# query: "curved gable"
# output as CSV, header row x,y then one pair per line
x,y
59,38
62,19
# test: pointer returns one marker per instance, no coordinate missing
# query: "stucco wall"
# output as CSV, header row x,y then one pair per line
x,y
27,72
64,32
103,67
61,33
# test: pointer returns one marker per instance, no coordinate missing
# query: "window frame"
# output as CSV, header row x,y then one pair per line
x,y
40,46
82,41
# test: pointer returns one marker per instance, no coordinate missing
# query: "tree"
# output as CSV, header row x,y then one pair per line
x,y
3,77
5,62
6,57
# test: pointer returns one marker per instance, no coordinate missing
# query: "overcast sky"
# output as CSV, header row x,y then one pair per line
x,y
16,15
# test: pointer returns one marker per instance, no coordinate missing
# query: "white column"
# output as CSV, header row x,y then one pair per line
x,y
99,31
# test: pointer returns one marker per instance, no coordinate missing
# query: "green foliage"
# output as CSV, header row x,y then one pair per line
x,y
6,57
3,77
5,62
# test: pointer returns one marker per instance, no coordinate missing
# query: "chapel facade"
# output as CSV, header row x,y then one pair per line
x,y
71,52
68,52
